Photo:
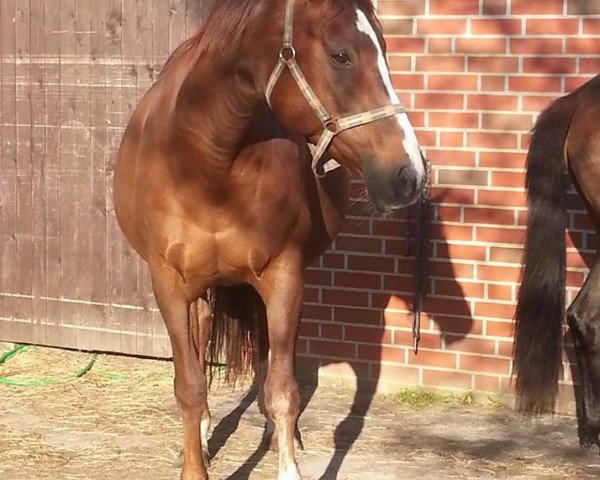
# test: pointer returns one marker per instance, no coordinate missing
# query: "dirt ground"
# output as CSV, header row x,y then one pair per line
x,y
120,421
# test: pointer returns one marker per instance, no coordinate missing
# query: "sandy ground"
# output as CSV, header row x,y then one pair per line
x,y
120,421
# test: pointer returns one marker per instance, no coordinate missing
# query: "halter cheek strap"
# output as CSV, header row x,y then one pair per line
x,y
331,126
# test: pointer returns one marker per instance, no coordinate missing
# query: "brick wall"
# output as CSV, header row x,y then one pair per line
x,y
474,75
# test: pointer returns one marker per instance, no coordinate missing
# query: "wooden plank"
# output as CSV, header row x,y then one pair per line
x,y
38,159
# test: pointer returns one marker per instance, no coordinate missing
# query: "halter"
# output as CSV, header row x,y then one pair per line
x,y
331,126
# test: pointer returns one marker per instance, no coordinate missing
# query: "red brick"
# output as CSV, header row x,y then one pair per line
x,y
580,260
461,251
331,332
447,306
381,353
316,312
589,45
452,195
502,160
440,45
493,83
537,103
494,310
481,45
455,232
471,177
497,273
433,63
406,7
368,263
489,216
408,81
534,84
507,121
438,101
460,289
492,102
451,270
501,198
311,295
460,325
506,255
451,139
440,378
537,46
398,319
429,26
458,158
494,7
332,349
407,44
452,82
499,292
454,7
505,349
361,334
345,297
495,26
357,315
528,7
334,260
397,26
357,280
433,359
484,364
493,64
508,179
591,26
406,375
589,65
309,329
317,277
448,214
399,63
472,345
500,235
552,26
499,329
492,140
427,340
549,65
358,244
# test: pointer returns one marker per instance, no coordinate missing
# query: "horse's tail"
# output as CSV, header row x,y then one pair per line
x,y
238,322
541,300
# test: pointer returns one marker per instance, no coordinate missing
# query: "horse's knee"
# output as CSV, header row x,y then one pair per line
x,y
281,397
190,393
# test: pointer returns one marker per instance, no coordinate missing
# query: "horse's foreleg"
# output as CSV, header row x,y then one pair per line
x,y
281,289
204,327
190,380
583,317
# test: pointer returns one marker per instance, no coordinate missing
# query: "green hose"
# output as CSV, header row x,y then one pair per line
x,y
37,383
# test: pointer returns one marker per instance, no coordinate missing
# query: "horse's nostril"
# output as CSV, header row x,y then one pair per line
x,y
406,181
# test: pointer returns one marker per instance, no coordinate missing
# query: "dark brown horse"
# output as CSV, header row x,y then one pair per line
x,y
566,136
214,186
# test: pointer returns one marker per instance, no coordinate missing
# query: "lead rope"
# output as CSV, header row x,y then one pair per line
x,y
421,254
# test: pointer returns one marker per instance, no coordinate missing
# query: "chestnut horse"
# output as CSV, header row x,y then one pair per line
x,y
566,136
214,186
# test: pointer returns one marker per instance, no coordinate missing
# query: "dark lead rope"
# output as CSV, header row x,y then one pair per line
x,y
421,254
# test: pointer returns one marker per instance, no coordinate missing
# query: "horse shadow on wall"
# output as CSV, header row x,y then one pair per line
x,y
377,334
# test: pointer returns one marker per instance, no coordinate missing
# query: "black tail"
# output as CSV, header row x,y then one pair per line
x,y
239,322
541,300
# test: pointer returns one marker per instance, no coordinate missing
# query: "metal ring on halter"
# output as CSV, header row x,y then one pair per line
x,y
332,125
287,58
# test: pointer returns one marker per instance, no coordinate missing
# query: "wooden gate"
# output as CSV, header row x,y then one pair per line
x,y
70,73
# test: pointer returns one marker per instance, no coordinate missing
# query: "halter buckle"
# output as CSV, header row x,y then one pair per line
x,y
287,53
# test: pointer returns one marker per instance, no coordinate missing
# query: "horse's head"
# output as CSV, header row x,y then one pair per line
x,y
338,47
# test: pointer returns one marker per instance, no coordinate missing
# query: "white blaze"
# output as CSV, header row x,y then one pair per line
x,y
411,145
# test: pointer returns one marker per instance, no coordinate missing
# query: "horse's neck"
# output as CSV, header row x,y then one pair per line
x,y
214,110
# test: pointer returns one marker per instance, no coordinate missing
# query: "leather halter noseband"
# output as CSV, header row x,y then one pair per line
x,y
331,126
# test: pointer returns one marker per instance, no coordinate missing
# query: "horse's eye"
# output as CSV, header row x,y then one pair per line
x,y
341,58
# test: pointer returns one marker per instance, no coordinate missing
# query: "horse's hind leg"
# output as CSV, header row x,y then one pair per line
x,y
190,380
281,290
583,317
